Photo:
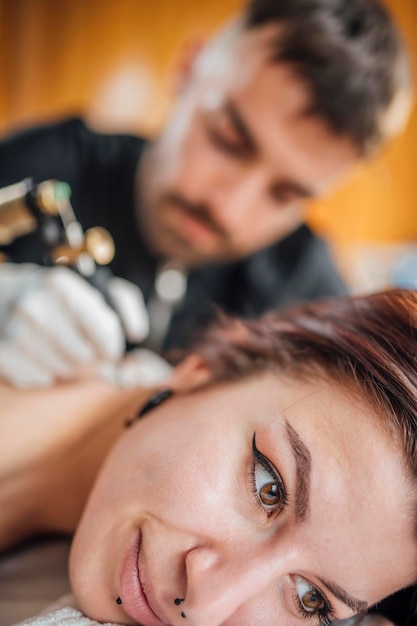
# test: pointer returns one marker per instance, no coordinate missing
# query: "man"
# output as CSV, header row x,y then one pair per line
x,y
275,110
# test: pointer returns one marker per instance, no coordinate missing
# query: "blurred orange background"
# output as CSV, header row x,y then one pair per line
x,y
112,61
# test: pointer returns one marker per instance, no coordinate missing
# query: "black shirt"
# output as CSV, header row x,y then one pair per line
x,y
100,170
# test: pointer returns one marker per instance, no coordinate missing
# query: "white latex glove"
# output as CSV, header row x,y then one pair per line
x,y
52,322
139,367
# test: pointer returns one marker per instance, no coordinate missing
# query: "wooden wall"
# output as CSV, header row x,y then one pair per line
x,y
111,60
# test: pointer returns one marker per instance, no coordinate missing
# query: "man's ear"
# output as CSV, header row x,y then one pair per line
x,y
183,67
191,373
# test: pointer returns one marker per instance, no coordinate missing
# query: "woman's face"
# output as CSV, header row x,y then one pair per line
x,y
266,501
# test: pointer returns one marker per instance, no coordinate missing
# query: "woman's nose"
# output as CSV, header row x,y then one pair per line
x,y
219,583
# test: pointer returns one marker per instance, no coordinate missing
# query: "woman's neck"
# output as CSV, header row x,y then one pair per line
x,y
57,441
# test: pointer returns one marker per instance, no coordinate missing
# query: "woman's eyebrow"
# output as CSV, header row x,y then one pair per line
x,y
303,471
358,606
302,491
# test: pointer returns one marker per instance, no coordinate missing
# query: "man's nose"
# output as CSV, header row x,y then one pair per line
x,y
238,200
219,583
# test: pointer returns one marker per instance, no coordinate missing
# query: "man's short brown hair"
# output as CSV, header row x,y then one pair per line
x,y
351,56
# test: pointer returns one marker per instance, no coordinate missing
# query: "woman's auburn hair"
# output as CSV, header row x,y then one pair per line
x,y
368,343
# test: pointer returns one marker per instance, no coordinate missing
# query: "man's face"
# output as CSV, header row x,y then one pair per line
x,y
230,173
268,501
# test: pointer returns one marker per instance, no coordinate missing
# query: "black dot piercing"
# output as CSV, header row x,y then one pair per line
x,y
154,401
118,601
179,601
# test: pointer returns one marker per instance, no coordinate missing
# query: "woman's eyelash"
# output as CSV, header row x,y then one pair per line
x,y
258,457
326,615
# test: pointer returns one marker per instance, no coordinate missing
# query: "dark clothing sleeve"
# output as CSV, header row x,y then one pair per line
x,y
99,168
101,172
294,270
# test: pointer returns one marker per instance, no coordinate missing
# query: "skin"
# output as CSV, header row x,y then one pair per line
x,y
54,442
238,157
180,483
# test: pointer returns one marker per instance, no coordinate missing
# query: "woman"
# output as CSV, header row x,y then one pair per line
x,y
272,482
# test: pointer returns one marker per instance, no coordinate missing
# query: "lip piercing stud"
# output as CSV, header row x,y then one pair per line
x,y
177,602
118,601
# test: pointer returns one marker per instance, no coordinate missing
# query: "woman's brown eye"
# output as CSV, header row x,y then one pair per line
x,y
312,601
268,487
268,491
269,494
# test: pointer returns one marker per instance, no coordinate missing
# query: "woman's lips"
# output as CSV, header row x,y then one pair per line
x,y
134,601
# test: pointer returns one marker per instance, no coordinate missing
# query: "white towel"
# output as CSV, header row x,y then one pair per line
x,y
62,613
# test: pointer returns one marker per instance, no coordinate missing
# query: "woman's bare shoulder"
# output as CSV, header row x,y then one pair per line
x,y
35,422
51,440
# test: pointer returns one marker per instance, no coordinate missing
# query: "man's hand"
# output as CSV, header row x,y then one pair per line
x,y
52,322
139,367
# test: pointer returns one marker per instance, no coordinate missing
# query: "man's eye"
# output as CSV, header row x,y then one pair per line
x,y
227,143
310,602
284,197
268,486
